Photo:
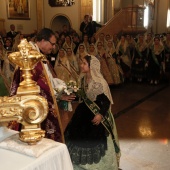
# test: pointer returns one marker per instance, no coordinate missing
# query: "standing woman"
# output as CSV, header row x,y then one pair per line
x,y
155,61
101,55
91,135
123,53
139,59
115,69
149,40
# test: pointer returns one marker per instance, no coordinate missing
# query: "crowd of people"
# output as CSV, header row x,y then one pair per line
x,y
91,135
143,58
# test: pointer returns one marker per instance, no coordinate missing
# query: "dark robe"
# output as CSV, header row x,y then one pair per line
x,y
87,142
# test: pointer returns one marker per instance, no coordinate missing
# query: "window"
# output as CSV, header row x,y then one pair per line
x,y
97,10
146,17
168,18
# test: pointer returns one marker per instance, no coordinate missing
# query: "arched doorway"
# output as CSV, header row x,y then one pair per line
x,y
58,22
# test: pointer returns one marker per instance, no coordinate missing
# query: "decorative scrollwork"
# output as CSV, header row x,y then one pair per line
x,y
27,107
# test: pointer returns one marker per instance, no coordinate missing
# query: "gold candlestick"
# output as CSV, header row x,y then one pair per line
x,y
27,106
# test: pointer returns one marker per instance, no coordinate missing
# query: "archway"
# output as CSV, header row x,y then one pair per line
x,y
58,22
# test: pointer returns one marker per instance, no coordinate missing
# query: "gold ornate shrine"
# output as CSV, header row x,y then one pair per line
x,y
27,106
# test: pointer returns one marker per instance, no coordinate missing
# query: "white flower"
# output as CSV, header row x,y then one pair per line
x,y
75,89
68,88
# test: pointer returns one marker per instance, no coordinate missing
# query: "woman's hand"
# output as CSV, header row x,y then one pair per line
x,y
68,98
97,119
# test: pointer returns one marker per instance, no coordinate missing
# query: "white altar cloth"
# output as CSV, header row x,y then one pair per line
x,y
56,158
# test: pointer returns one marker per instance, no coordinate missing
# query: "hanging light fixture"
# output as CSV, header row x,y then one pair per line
x,y
61,3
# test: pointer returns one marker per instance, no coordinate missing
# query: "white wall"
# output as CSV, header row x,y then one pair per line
x,y
161,16
26,26
70,12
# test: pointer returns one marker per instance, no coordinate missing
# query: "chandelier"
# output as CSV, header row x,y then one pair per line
x,y
60,3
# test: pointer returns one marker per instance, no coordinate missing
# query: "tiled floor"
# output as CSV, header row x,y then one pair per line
x,y
143,123
142,115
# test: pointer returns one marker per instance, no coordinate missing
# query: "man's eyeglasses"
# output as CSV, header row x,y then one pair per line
x,y
51,43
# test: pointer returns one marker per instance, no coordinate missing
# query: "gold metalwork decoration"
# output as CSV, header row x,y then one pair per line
x,y
27,106
26,59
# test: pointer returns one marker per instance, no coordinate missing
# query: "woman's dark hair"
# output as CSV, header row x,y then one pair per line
x,y
88,58
45,34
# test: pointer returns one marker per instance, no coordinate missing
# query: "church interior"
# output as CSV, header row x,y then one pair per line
x,y
141,108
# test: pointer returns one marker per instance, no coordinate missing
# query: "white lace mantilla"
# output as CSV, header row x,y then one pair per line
x,y
94,89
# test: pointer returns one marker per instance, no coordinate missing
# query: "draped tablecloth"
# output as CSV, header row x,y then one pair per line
x,y
55,158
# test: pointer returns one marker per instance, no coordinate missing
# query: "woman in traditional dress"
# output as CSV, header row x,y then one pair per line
x,y
69,43
65,71
139,60
8,44
122,50
131,44
81,52
85,41
101,55
108,37
155,61
102,39
92,49
92,40
72,59
114,67
16,41
149,40
91,136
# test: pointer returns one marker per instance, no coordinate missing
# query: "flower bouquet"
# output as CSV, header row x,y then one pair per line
x,y
72,87
68,89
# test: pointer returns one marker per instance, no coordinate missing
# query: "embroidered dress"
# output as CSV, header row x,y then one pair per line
x,y
122,50
155,61
91,146
65,71
139,60
103,62
115,69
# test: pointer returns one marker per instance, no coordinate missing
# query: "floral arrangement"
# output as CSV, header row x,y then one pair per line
x,y
72,87
66,88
